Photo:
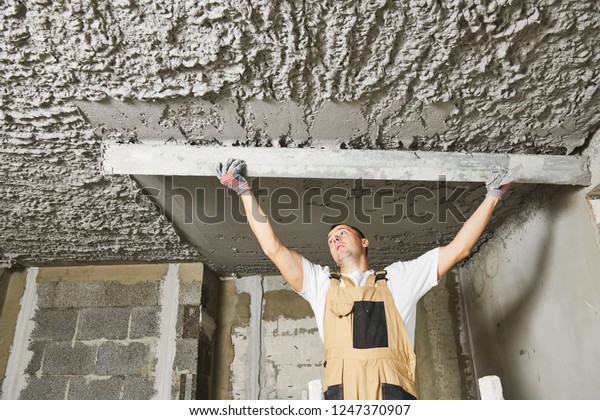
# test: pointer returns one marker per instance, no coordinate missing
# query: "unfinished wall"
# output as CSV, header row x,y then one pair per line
x,y
508,76
268,340
533,297
113,332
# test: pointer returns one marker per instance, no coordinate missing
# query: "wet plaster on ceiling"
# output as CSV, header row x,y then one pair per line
x,y
468,76
402,220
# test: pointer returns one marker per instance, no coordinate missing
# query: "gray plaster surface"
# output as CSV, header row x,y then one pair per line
x,y
401,220
456,75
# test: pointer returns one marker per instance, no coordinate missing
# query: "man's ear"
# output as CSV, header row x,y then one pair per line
x,y
365,242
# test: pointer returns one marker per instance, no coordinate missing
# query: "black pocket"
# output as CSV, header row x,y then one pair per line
x,y
333,392
370,327
395,392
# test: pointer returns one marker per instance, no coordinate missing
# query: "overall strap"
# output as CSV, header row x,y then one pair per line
x,y
381,275
375,277
337,276
370,281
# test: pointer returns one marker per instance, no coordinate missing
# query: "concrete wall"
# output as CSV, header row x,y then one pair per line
x,y
113,332
533,297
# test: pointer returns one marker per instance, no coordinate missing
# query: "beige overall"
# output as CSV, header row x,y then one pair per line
x,y
368,354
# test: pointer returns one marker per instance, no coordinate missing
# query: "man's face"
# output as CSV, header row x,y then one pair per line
x,y
345,242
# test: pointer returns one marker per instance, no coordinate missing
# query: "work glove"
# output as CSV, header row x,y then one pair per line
x,y
230,175
500,181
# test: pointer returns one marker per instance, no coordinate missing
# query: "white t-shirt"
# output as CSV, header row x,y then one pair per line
x,y
408,282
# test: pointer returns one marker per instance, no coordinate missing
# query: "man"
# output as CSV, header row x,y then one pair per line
x,y
365,318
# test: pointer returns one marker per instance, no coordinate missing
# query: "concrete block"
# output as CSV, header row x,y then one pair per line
x,y
191,321
109,323
37,347
144,322
97,294
45,388
190,283
54,324
190,294
95,389
186,355
138,388
118,359
62,359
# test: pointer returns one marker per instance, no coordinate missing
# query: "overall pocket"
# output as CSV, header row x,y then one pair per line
x,y
369,328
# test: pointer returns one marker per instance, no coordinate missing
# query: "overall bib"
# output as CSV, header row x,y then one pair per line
x,y
368,354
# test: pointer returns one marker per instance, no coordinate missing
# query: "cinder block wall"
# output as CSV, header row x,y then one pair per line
x,y
104,332
95,333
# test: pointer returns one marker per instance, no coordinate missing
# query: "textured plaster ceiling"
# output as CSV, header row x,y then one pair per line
x,y
497,76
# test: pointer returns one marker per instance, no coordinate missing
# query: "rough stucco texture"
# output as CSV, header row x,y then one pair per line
x,y
499,76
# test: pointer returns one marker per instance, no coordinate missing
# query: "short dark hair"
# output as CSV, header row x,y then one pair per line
x,y
362,235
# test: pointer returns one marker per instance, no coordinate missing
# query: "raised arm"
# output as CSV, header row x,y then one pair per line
x,y
467,236
288,261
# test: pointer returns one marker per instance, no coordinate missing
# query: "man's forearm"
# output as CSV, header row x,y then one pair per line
x,y
259,223
472,229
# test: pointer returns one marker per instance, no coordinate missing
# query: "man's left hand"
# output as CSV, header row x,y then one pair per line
x,y
230,175
500,180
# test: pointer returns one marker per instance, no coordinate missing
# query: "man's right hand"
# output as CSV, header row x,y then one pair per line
x,y
289,262
230,175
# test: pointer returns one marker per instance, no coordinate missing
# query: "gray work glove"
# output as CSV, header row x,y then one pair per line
x,y
230,175
500,181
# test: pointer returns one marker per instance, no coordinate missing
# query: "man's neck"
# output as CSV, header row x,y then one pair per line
x,y
352,266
